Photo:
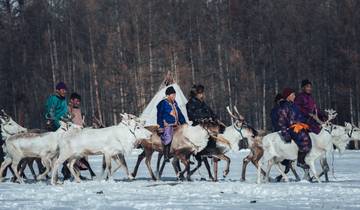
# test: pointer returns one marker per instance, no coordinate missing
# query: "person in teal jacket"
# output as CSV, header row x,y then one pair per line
x,y
56,107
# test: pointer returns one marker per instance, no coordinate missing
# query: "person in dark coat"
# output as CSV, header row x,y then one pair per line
x,y
198,110
307,106
169,116
196,107
274,121
292,126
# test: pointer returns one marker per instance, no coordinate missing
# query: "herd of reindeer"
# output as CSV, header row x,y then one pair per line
x,y
71,143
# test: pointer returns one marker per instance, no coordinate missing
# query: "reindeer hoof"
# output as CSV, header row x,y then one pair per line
x,y
242,180
181,178
130,177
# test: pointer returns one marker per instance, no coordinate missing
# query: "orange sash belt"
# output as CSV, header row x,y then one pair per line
x,y
297,127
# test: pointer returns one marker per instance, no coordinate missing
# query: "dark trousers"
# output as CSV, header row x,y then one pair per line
x,y
302,139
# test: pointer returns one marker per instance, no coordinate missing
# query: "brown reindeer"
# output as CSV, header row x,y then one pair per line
x,y
235,135
181,149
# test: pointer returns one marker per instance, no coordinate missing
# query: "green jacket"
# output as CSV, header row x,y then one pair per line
x,y
55,108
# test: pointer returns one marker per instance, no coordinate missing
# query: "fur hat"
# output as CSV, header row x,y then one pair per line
x,y
286,92
61,85
305,82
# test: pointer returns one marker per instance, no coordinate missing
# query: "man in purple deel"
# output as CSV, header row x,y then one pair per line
x,y
307,106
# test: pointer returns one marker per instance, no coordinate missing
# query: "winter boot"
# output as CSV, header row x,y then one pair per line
x,y
166,152
301,160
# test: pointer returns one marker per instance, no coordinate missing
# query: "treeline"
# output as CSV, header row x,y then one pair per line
x,y
115,53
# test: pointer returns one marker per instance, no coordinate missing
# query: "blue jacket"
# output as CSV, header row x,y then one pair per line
x,y
164,108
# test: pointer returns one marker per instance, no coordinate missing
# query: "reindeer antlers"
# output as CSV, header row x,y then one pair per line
x,y
230,113
238,117
331,115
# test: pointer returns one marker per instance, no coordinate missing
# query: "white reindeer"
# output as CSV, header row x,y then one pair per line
x,y
9,128
340,142
276,150
109,141
34,145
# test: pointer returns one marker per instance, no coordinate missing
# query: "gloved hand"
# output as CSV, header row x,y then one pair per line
x,y
49,125
160,131
287,138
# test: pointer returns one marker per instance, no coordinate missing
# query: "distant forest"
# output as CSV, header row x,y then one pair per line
x,y
115,53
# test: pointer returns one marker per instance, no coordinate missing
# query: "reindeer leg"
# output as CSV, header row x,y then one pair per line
x,y
174,163
158,165
118,163
14,165
108,166
297,177
199,162
148,164
4,165
103,166
313,170
184,161
21,167
122,162
46,164
187,166
140,158
31,166
227,159
54,175
270,163
207,166
216,160
87,164
325,167
161,168
72,170
259,172
282,172
256,164
246,161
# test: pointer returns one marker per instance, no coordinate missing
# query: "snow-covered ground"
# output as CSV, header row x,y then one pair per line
x,y
343,192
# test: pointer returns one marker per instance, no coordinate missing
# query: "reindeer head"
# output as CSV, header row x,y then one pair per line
x,y
240,124
4,117
9,126
214,127
352,131
342,135
135,126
